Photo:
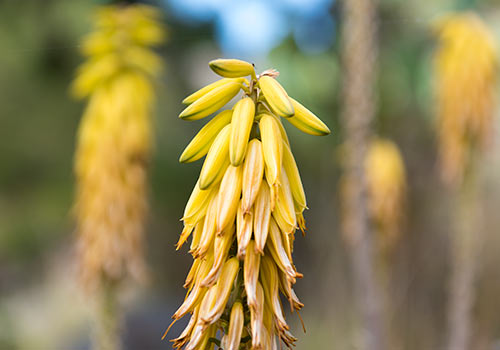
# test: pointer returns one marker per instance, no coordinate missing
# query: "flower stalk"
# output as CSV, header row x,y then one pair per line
x,y
466,70
243,212
112,155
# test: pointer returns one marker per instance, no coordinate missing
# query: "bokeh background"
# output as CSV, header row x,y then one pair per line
x,y
41,305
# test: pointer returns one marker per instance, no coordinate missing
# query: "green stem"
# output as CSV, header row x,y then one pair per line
x,y
107,320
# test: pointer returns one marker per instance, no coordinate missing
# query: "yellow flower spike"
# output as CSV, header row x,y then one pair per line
x,y
232,68
244,229
211,101
270,280
200,144
306,121
209,227
466,70
236,323
292,171
255,183
203,91
253,171
278,251
257,319
386,177
221,250
242,121
223,290
113,148
276,96
262,216
216,158
251,268
272,146
229,197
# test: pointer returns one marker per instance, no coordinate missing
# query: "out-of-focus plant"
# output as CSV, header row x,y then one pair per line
x,y
113,152
386,177
466,67
246,206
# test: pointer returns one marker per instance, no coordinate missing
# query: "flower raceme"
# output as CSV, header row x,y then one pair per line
x,y
386,178
243,211
466,66
114,140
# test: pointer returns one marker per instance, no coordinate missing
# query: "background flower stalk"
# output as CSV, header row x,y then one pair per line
x,y
113,152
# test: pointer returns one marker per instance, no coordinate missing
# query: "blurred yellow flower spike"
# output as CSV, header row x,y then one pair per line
x,y
466,67
386,178
244,211
114,141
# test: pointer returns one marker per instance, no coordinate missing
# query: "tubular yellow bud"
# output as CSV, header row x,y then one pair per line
x,y
203,91
262,216
257,319
209,227
270,284
272,147
197,292
244,226
286,289
236,323
299,196
198,202
276,96
211,101
180,341
200,144
224,286
285,206
251,269
283,225
221,249
229,196
207,304
216,158
242,121
306,121
198,230
284,136
231,68
192,273
253,172
278,251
